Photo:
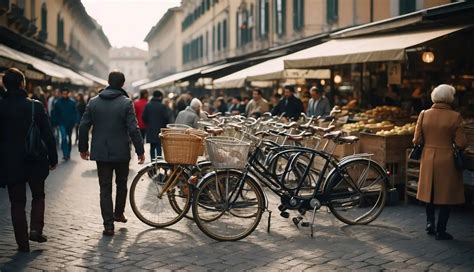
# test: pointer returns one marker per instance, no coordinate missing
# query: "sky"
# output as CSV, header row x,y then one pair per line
x,y
127,22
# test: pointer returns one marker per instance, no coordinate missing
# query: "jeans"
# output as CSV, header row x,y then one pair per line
x,y
155,150
17,194
105,172
66,133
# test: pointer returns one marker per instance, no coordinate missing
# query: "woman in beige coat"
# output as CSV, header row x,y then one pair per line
x,y
440,183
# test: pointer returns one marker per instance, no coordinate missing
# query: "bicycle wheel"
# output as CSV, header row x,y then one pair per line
x,y
356,195
146,202
227,207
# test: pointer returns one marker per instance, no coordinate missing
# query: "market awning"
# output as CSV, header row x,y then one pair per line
x,y
359,50
56,72
96,79
269,70
171,79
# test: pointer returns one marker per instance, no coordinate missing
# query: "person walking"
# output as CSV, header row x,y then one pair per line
x,y
258,104
139,105
190,115
318,105
290,105
112,117
155,116
65,116
15,169
440,183
80,108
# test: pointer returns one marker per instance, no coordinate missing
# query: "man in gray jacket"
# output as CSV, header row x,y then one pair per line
x,y
318,105
112,117
190,115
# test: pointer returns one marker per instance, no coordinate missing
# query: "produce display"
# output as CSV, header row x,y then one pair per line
x,y
381,113
407,129
370,125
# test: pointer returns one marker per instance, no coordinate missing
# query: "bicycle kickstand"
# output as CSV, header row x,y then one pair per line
x,y
269,220
312,220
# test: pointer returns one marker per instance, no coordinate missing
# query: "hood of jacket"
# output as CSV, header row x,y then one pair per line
x,y
112,93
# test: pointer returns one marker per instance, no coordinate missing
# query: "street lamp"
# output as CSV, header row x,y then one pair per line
x,y
427,57
337,79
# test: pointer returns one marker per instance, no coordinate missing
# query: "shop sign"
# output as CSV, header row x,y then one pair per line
x,y
394,71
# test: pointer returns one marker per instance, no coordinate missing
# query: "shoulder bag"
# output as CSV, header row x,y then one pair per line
x,y
34,146
415,153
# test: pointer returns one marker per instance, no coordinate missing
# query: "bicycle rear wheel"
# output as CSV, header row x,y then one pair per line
x,y
227,206
146,203
357,194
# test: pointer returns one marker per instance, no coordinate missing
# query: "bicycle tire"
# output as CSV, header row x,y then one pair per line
x,y
216,232
140,191
341,188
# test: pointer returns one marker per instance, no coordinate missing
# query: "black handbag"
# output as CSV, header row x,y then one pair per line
x,y
34,145
417,150
458,156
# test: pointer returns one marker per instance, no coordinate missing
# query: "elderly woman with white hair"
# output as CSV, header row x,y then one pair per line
x,y
440,183
190,115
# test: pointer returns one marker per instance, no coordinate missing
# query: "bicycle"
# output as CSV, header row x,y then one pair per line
x,y
354,190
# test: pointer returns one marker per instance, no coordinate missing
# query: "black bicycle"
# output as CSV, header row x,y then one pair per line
x,y
229,203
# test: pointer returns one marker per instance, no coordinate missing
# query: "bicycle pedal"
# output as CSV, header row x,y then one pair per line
x,y
305,224
281,207
285,214
297,220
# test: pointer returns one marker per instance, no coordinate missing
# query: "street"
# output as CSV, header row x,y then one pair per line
x,y
395,241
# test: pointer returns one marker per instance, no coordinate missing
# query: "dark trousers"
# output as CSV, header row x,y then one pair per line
x,y
443,216
105,172
66,135
155,150
143,133
17,194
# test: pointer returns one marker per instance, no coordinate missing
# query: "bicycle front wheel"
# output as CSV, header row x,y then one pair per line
x,y
228,205
356,195
150,205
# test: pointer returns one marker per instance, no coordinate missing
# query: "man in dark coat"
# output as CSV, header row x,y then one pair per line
x,y
65,116
289,104
112,118
15,170
155,116
318,105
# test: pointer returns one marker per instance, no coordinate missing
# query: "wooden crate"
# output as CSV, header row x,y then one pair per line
x,y
389,151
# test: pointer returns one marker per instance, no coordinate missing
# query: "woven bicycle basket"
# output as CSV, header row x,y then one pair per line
x,y
227,152
186,130
181,148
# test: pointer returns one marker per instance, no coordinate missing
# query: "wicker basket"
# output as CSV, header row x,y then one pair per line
x,y
227,152
181,148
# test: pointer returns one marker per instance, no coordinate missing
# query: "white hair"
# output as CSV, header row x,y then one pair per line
x,y
196,104
443,94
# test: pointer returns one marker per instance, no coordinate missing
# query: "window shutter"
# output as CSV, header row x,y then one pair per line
x,y
224,33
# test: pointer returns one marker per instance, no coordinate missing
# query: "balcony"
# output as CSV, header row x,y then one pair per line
x,y
61,46
42,36
32,29
15,14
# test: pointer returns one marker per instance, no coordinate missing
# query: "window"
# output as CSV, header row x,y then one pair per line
x,y
213,38
44,18
224,33
332,10
407,6
207,44
280,15
60,30
264,18
218,36
298,14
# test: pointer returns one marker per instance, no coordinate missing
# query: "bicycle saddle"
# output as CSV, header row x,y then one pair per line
x,y
214,130
332,135
210,116
324,130
348,139
291,125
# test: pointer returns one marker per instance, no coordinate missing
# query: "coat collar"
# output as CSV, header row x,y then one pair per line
x,y
18,92
442,106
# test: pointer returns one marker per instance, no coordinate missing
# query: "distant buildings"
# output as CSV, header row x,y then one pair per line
x,y
131,61
59,31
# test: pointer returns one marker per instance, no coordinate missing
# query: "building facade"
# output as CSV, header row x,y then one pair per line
x,y
131,61
213,30
56,30
164,45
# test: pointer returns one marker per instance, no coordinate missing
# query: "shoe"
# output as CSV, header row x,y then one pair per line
x,y
108,232
120,218
443,236
430,229
24,248
37,237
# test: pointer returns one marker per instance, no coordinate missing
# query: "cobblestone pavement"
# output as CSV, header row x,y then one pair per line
x,y
395,241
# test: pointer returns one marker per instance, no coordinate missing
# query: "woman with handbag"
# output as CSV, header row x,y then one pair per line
x,y
440,182
27,153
